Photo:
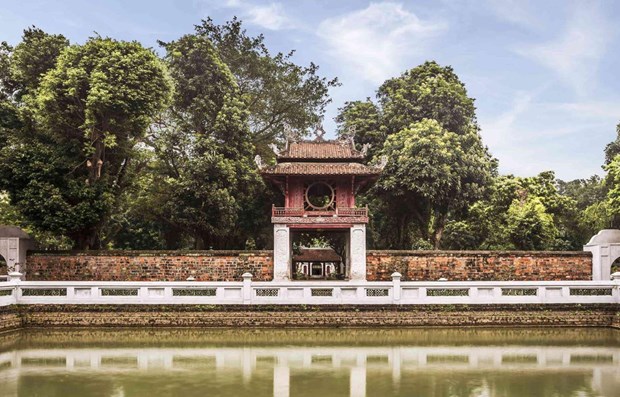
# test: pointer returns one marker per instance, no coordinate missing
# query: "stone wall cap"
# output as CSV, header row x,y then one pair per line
x,y
605,236
152,253
477,253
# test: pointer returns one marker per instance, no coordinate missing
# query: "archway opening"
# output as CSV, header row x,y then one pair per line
x,y
4,268
319,254
615,267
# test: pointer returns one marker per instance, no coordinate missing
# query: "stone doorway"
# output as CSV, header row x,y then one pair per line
x,y
319,254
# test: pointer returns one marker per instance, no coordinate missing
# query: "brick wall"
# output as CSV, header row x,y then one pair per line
x,y
9,318
316,315
230,265
479,265
149,266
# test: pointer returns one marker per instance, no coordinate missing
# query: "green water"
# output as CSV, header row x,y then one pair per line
x,y
317,363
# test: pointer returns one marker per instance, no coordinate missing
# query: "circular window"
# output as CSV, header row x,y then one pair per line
x,y
320,195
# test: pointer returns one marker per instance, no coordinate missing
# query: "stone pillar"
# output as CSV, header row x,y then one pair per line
x,y
605,249
357,253
281,253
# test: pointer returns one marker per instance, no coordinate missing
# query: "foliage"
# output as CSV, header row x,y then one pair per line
x,y
437,165
71,157
365,119
528,225
204,177
277,91
32,58
613,148
612,182
428,91
431,172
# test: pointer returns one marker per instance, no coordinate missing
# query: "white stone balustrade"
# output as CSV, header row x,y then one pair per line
x,y
396,292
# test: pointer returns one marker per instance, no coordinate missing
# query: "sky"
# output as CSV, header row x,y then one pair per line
x,y
545,74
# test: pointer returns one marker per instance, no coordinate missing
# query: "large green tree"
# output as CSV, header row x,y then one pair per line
x,y
81,124
277,91
425,123
204,177
431,173
518,213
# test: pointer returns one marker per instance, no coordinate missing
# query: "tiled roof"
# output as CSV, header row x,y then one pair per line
x,y
321,150
317,254
320,169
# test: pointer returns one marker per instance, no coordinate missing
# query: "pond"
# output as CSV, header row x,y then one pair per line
x,y
327,362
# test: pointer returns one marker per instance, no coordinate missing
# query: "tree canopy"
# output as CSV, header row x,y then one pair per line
x,y
80,124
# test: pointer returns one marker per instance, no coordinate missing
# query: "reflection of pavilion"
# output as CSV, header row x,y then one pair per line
x,y
358,368
319,180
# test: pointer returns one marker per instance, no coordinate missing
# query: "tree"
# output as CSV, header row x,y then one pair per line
x,y
33,57
528,225
204,178
516,214
613,148
439,141
71,159
277,91
432,172
428,91
612,182
365,119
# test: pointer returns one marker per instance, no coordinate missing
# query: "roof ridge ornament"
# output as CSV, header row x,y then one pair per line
x,y
259,162
365,148
290,135
383,160
276,150
319,131
348,137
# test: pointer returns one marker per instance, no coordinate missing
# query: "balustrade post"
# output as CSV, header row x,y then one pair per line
x,y
396,287
15,277
247,288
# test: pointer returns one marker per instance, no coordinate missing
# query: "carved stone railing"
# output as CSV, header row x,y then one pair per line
x,y
310,292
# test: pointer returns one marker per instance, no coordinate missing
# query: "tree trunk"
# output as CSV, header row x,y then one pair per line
x,y
86,239
439,224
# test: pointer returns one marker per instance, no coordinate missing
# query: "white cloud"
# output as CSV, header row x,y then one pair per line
x,y
373,42
575,54
517,12
534,135
592,109
501,127
269,16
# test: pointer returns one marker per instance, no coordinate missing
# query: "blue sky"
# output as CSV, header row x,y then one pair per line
x,y
545,74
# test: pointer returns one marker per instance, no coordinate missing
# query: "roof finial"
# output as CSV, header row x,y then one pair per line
x,y
319,131
383,160
259,162
275,148
290,134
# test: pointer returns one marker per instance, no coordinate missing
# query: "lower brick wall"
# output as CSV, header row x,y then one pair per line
x,y
615,322
318,316
9,318
479,265
230,265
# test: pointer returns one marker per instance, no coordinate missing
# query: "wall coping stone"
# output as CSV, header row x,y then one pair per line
x,y
270,252
478,253
152,253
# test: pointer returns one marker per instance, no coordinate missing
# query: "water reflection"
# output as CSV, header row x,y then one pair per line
x,y
414,362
